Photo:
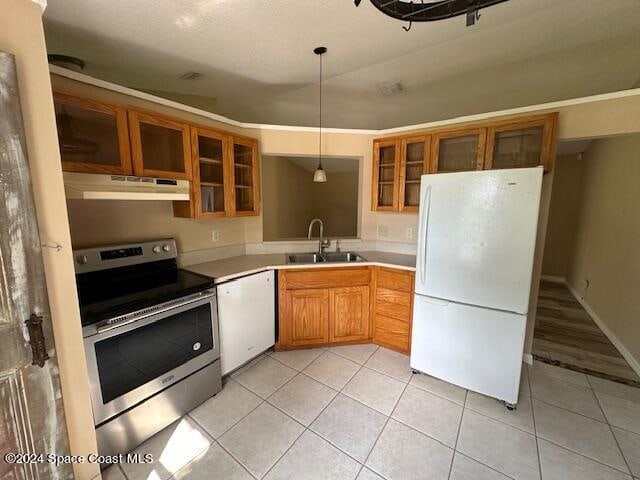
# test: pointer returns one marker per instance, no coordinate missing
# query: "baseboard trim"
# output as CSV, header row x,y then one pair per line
x,y
527,358
553,278
631,360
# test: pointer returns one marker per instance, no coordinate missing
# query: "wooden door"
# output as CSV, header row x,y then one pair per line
x,y
458,150
307,317
160,146
386,175
348,314
524,142
93,136
244,195
31,411
414,162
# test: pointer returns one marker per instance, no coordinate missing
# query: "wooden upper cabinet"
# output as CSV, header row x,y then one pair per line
x,y
160,146
458,150
92,136
399,162
244,176
349,314
386,175
414,162
522,143
211,171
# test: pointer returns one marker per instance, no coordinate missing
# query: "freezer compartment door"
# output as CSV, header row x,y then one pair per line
x,y
476,237
247,318
475,348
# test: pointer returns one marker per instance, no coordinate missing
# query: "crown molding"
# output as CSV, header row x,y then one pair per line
x,y
541,107
41,3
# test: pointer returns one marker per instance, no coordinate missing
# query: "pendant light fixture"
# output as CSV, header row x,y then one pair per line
x,y
320,175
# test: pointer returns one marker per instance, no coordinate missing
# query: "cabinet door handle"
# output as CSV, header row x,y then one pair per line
x,y
36,340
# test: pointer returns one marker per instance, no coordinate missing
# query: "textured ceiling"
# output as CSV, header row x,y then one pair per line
x,y
257,63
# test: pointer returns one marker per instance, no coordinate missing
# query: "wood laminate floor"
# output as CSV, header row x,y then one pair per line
x,y
565,335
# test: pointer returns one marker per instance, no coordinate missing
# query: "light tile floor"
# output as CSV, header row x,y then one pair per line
x,y
359,412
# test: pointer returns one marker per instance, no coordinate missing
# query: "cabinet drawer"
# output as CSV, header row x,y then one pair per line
x,y
326,278
395,279
392,333
392,303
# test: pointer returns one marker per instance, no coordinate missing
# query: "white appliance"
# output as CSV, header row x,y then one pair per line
x,y
246,318
91,186
476,241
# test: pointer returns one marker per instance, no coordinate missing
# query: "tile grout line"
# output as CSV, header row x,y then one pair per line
x,y
455,444
305,427
383,428
220,444
615,439
535,428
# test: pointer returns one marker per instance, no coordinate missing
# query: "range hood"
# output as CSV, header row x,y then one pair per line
x,y
89,186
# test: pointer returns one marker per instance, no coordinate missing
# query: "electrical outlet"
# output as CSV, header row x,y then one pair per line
x,y
383,231
215,236
409,232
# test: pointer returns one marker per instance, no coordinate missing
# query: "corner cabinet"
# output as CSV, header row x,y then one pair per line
x,y
93,136
397,167
244,176
226,176
398,162
324,306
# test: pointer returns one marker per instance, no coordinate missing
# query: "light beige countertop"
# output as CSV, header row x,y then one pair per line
x,y
234,267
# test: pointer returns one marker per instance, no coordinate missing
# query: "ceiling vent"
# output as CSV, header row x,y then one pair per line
x,y
390,88
190,75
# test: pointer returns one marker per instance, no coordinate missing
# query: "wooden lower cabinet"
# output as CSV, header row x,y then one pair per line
x,y
393,308
349,314
324,306
309,316
345,305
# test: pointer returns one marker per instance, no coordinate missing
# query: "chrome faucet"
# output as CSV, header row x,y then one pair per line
x,y
322,243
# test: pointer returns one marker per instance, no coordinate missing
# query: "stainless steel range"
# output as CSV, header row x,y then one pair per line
x,y
150,337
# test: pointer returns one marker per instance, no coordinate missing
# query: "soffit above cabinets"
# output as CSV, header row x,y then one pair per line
x,y
519,53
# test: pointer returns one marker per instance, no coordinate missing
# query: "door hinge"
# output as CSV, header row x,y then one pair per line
x,y
36,340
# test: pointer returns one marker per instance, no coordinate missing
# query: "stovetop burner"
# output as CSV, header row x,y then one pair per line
x,y
114,281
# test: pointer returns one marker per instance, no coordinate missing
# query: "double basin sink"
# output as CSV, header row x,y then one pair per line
x,y
328,257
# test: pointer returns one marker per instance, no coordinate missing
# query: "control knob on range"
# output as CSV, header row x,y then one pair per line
x,y
166,247
156,249
82,259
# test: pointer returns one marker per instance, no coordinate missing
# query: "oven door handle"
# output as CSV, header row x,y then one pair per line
x,y
137,318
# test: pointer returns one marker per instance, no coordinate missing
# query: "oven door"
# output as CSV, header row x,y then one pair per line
x,y
128,364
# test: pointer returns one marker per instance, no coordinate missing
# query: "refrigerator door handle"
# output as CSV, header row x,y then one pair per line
x,y
433,300
425,201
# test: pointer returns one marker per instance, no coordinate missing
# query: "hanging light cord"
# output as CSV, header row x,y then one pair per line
x,y
320,134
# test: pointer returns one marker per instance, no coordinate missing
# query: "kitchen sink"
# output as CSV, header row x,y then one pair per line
x,y
328,257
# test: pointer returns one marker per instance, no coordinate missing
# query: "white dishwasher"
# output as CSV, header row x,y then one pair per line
x,y
246,318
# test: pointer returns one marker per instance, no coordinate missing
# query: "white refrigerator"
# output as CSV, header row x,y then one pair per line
x,y
474,263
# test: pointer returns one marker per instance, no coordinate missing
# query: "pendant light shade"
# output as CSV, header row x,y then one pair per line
x,y
320,176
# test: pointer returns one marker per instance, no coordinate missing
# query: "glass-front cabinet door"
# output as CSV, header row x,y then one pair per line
x,y
414,163
458,150
160,146
210,172
521,143
244,176
386,175
92,136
